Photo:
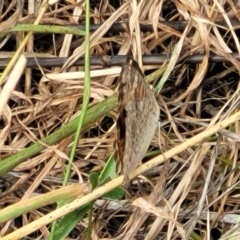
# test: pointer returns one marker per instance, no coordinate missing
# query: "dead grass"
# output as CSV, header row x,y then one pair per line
x,y
193,193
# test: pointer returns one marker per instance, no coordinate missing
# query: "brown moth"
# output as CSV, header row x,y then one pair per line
x,y
138,118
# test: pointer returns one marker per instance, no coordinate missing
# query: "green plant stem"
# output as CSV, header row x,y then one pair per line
x,y
27,205
46,29
86,96
87,87
90,215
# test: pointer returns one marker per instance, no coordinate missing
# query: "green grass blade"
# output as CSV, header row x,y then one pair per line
x,y
93,114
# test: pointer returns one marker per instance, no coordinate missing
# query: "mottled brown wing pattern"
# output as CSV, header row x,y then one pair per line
x,y
138,118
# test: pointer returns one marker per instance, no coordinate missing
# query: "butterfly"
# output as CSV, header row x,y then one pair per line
x,y
138,118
